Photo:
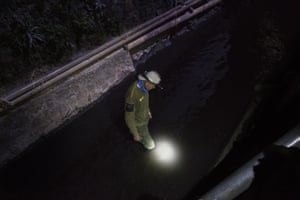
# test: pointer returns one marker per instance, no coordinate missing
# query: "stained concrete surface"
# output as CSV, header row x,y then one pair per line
x,y
47,110
93,155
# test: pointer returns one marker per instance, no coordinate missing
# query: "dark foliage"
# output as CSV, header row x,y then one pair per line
x,y
48,32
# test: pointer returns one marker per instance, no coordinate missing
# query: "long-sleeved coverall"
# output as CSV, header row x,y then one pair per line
x,y
137,114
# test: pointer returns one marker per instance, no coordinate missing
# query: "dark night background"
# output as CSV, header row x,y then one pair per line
x,y
200,107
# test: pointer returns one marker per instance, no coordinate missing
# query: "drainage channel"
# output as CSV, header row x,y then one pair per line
x,y
94,157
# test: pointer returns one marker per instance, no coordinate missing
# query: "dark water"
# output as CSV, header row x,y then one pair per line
x,y
94,157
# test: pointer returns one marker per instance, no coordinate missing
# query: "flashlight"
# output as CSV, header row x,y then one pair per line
x,y
165,152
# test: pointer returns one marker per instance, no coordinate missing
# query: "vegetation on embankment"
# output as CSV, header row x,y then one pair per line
x,y
38,36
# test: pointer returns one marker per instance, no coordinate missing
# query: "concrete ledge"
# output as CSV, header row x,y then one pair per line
x,y
26,123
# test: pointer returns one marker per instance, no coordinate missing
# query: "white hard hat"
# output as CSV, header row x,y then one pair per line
x,y
153,77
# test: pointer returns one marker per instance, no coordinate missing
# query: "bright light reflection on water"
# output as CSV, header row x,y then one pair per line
x,y
165,152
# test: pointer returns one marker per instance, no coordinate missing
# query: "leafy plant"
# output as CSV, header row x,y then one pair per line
x,y
38,33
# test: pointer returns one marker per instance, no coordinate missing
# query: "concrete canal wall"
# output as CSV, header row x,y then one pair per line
x,y
23,125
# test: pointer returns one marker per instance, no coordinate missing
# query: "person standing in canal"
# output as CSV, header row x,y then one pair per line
x,y
137,111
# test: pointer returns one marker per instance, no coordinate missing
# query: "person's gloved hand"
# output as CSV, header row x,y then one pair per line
x,y
150,115
137,138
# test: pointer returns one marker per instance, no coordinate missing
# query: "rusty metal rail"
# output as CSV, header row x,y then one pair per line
x,y
173,23
129,40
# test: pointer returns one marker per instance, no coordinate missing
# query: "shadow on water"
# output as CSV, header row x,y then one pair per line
x,y
94,157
